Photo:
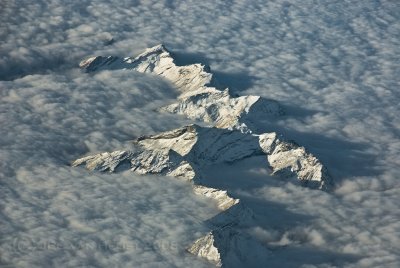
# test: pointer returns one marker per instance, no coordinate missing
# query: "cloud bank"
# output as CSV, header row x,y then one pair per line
x,y
333,66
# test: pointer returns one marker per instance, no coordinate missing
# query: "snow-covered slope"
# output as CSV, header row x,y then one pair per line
x,y
202,146
199,99
186,151
332,65
183,153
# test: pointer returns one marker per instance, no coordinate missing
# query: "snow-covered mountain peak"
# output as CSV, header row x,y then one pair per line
x,y
198,99
188,151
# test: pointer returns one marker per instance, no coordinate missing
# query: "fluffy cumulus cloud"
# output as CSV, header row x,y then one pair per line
x,y
333,66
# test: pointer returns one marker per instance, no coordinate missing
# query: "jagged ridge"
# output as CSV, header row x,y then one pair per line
x,y
198,146
198,99
183,152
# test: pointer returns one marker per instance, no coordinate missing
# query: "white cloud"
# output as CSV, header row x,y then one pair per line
x,y
67,217
52,211
333,66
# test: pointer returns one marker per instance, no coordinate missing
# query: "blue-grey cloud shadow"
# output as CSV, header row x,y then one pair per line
x,y
239,180
348,158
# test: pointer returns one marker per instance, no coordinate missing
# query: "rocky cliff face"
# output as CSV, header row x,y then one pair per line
x,y
198,99
197,146
184,152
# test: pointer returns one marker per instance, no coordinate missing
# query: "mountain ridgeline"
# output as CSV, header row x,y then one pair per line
x,y
187,151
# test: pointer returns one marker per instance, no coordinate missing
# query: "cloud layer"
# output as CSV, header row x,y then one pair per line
x,y
333,66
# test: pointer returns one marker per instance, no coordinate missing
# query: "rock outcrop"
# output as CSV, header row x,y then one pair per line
x,y
184,152
291,160
198,99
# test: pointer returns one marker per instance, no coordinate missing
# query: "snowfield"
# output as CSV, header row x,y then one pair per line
x,y
334,69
